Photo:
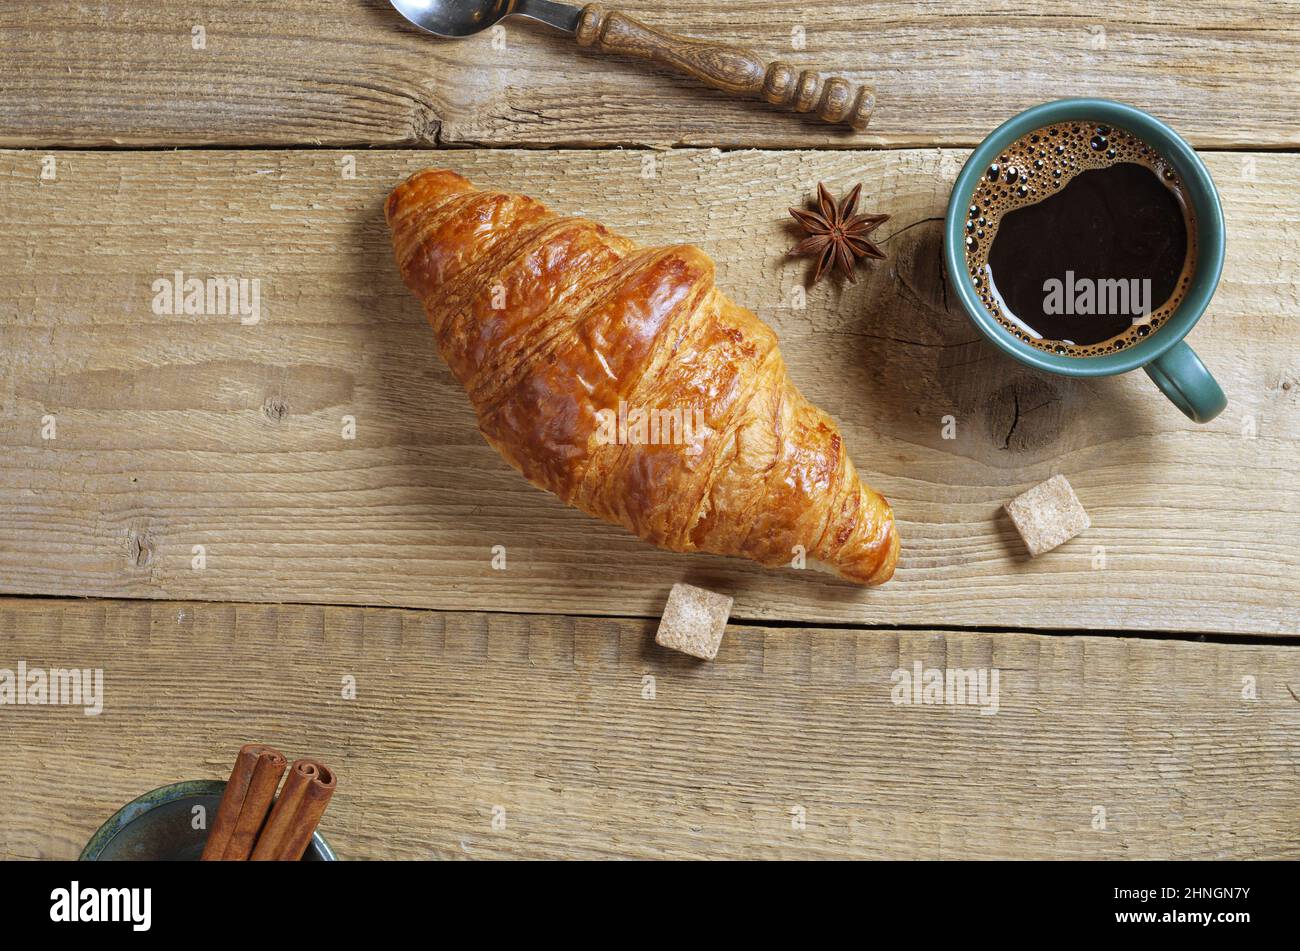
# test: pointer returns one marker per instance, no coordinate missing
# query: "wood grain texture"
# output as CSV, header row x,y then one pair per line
x,y
343,73
548,719
177,431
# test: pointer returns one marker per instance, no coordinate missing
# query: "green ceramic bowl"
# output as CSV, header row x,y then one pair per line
x,y
156,827
1169,361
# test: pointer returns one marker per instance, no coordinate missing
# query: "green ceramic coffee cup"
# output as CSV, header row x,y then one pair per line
x,y
159,826
1167,359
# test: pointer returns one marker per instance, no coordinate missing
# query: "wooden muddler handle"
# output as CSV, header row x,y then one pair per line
x,y
730,68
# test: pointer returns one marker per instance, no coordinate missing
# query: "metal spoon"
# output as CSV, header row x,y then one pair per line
x,y
731,68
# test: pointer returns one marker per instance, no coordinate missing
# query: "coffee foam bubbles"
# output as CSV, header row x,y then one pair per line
x,y
1040,164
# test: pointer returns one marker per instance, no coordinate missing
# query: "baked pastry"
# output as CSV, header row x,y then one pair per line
x,y
622,380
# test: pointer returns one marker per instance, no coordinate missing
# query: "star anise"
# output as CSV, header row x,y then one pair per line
x,y
836,235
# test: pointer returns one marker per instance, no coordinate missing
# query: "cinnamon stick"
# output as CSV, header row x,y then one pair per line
x,y
261,793
297,812
319,792
256,768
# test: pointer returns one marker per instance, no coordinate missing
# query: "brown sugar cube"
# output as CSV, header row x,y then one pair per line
x,y
1048,515
693,621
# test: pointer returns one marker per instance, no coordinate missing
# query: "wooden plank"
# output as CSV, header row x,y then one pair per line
x,y
551,719
177,431
300,71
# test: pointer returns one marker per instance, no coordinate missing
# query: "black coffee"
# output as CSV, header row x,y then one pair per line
x,y
1080,239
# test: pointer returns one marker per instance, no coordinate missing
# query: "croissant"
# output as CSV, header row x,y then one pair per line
x,y
622,380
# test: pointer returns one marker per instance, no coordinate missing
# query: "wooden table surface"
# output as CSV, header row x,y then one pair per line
x,y
347,510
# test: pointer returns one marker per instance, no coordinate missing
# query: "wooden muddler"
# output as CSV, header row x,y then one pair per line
x,y
297,812
244,804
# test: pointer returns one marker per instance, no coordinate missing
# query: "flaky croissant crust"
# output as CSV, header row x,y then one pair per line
x,y
563,333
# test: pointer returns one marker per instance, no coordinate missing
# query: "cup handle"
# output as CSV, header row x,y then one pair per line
x,y
1182,377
